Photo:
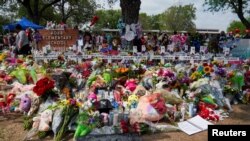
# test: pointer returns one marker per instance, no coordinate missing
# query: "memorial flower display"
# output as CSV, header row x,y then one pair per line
x,y
96,94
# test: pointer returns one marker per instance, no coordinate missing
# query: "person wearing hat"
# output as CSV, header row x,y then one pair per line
x,y
22,42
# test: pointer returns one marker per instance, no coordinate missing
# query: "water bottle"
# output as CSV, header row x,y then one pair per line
x,y
190,109
111,115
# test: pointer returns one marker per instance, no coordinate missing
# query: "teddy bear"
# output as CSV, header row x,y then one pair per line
x,y
41,123
19,88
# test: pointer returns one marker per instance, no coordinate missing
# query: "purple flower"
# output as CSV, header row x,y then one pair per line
x,y
221,72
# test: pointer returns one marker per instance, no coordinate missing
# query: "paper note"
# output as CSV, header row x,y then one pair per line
x,y
134,49
192,51
80,42
194,125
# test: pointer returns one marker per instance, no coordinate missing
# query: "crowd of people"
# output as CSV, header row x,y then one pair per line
x,y
22,41
173,42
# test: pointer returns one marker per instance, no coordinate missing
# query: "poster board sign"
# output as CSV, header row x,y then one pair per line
x,y
162,49
242,50
192,51
226,51
58,39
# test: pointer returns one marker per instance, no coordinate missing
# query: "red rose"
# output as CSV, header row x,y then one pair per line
x,y
50,85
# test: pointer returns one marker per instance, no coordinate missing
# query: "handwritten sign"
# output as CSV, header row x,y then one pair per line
x,y
58,39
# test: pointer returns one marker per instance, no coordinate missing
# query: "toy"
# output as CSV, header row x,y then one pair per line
x,y
41,123
25,103
133,101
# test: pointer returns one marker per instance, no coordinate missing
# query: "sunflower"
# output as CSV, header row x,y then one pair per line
x,y
208,69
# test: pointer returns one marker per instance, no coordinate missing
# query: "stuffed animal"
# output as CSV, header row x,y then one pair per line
x,y
19,88
35,103
25,103
42,122
133,101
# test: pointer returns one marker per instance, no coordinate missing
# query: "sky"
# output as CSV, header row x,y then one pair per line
x,y
204,19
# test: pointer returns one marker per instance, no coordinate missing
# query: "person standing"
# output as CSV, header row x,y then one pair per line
x,y
22,42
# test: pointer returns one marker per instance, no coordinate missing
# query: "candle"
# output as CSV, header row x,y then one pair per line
x,y
115,120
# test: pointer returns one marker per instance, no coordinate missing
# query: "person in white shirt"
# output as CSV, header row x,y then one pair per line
x,y
22,42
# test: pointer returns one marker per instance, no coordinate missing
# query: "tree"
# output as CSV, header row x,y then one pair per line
x,y
179,18
34,8
48,15
240,7
237,25
78,10
155,22
130,10
108,18
145,21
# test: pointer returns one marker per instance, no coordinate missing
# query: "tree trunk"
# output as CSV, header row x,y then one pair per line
x,y
64,19
130,10
36,16
240,13
244,20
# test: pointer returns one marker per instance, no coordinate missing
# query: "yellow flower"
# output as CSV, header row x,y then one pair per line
x,y
207,69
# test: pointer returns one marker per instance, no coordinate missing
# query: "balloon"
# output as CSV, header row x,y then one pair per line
x,y
94,20
107,77
82,130
20,75
237,30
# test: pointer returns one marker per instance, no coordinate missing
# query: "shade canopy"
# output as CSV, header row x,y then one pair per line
x,y
24,22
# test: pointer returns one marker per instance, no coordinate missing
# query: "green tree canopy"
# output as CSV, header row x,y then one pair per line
x,y
179,18
77,11
108,18
237,25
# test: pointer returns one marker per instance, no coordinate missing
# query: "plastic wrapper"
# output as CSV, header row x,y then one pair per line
x,y
169,97
156,128
20,75
57,120
149,108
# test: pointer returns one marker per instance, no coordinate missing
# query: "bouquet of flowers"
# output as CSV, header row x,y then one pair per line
x,y
70,109
44,88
